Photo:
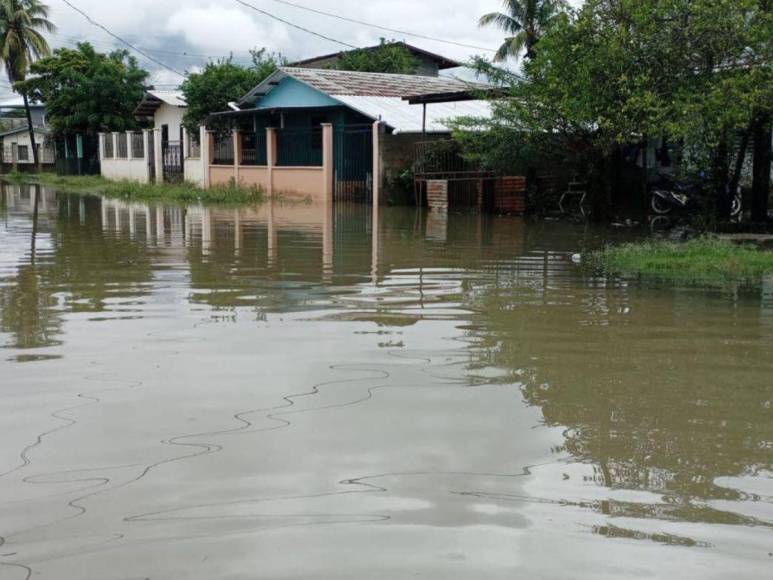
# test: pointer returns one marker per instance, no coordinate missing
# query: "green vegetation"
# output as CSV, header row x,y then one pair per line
x,y
389,57
607,75
224,81
86,91
182,192
704,259
524,21
22,23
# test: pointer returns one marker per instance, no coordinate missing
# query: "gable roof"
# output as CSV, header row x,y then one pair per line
x,y
153,99
363,84
441,61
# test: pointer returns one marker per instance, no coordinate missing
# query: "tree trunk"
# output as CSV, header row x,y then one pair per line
x,y
31,129
761,172
720,173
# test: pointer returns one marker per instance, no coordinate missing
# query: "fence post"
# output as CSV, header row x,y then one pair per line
x,y
205,153
237,155
159,154
129,146
101,147
270,157
146,153
115,145
376,178
327,161
184,144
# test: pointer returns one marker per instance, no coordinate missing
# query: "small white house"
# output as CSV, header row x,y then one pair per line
x,y
166,110
16,146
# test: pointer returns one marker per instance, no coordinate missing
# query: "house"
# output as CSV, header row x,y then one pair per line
x,y
15,142
311,131
428,63
165,110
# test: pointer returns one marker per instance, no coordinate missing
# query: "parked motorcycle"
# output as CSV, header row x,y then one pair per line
x,y
669,195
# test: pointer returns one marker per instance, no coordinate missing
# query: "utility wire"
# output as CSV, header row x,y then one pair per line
x,y
380,27
282,20
118,38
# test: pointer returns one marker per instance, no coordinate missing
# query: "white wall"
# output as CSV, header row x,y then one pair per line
x,y
195,167
120,169
172,116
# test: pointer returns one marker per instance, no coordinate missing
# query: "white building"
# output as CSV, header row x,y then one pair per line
x,y
166,110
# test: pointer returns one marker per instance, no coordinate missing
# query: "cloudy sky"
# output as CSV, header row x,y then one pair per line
x,y
183,34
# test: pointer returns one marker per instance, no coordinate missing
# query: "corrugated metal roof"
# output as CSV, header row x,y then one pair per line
x,y
174,98
407,118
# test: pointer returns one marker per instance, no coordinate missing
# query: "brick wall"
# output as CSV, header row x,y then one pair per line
x,y
437,195
510,195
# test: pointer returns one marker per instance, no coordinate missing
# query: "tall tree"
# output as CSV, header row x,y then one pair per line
x,y
22,43
224,81
86,91
524,21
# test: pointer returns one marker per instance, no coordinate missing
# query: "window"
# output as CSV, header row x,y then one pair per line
x,y
24,153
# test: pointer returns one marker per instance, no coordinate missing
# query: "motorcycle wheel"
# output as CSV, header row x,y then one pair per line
x,y
659,206
735,211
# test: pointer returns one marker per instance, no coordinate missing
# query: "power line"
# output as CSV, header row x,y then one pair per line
x,y
385,28
288,23
118,38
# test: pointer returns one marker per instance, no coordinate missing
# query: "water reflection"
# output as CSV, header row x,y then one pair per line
x,y
451,382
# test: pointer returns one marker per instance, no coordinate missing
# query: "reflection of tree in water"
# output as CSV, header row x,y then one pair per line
x,y
663,392
83,266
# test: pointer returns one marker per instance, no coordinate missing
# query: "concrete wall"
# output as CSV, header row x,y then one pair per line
x,y
23,140
300,181
172,116
133,167
195,167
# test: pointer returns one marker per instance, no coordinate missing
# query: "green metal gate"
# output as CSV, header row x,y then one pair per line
x,y
353,163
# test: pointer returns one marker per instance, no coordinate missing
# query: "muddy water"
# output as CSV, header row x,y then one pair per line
x,y
297,392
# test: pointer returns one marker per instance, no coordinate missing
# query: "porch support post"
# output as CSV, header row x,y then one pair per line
x,y
376,163
327,161
205,154
159,154
270,157
237,155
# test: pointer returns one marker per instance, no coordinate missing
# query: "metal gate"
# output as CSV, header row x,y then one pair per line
x,y
173,162
353,162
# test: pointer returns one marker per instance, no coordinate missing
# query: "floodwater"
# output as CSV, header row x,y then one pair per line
x,y
293,391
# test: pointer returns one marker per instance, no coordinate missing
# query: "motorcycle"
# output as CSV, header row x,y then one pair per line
x,y
669,195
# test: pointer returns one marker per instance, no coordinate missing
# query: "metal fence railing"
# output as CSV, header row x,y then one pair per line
x,y
224,150
253,149
123,146
108,152
138,145
299,147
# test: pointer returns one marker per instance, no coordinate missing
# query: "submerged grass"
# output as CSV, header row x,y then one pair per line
x,y
182,192
704,259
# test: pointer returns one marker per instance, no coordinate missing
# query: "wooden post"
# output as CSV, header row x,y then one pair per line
x,y
376,163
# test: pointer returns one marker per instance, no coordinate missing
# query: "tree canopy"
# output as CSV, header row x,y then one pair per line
x,y
88,91
524,21
224,81
389,57
695,71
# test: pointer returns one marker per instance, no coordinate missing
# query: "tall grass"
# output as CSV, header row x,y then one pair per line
x,y
182,192
703,259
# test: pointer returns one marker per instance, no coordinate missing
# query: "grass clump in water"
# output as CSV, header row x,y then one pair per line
x,y
703,259
181,192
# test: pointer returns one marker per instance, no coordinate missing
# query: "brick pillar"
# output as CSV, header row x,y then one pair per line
x,y
510,195
270,157
437,195
146,137
328,161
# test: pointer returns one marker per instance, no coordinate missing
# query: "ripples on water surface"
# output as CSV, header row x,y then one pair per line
x,y
295,392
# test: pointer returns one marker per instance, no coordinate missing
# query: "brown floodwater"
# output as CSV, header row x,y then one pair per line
x,y
294,391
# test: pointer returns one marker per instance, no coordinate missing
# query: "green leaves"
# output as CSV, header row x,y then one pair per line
x,y
390,57
87,91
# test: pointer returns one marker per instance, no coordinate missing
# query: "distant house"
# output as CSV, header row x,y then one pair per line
x,y
15,143
165,110
429,64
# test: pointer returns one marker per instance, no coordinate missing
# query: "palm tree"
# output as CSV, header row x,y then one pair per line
x,y
524,22
22,43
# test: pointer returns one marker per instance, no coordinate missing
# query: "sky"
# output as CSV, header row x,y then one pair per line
x,y
183,34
